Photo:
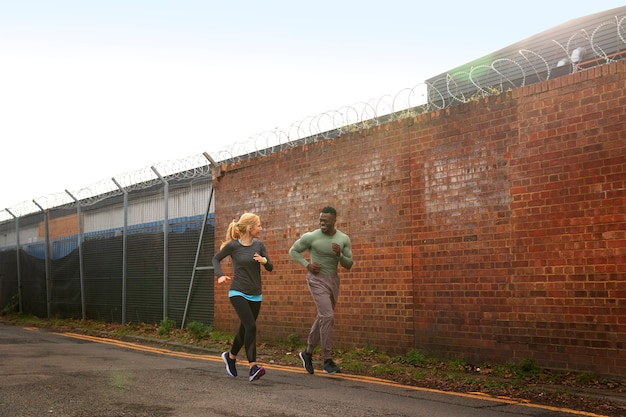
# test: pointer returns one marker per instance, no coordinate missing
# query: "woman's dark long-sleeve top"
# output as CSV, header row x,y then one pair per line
x,y
246,271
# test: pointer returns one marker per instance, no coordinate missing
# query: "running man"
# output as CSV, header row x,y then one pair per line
x,y
328,247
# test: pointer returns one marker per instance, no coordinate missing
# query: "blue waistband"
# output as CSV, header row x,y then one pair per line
x,y
233,293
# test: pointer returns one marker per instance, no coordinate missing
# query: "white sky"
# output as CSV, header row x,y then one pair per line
x,y
90,89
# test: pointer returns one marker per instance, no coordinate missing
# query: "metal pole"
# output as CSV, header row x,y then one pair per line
x,y
195,264
124,249
46,215
19,274
211,160
80,256
165,239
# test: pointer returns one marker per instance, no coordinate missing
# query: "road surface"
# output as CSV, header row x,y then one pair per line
x,y
63,374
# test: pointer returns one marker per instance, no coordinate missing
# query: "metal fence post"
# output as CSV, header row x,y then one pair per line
x,y
124,250
165,239
46,216
17,250
80,256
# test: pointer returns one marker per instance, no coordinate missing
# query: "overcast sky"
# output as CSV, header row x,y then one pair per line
x,y
92,89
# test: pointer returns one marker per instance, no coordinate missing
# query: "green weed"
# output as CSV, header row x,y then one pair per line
x,y
294,341
166,326
352,366
198,330
12,306
458,364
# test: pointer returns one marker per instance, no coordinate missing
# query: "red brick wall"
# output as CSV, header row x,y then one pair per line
x,y
492,231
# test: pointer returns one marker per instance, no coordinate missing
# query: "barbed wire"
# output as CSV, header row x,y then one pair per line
x,y
195,166
582,50
469,83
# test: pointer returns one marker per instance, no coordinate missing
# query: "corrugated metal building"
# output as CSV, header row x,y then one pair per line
x,y
572,46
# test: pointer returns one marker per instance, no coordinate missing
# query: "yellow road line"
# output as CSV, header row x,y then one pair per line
x,y
358,378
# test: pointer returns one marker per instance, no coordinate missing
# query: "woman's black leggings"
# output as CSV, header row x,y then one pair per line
x,y
248,311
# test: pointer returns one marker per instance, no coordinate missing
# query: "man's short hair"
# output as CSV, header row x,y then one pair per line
x,y
330,210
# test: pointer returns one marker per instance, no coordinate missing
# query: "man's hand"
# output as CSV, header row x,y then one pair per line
x,y
314,268
336,249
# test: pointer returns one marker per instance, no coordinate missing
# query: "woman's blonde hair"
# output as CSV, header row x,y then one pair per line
x,y
238,228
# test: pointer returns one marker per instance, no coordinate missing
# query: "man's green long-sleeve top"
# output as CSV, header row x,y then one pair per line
x,y
321,251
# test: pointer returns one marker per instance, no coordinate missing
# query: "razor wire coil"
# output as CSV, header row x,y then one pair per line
x,y
461,86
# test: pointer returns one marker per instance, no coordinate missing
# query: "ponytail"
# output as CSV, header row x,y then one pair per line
x,y
238,228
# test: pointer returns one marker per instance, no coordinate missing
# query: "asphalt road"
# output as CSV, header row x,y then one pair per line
x,y
69,375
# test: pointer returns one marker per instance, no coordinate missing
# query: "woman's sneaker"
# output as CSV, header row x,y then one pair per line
x,y
330,367
256,372
307,362
231,369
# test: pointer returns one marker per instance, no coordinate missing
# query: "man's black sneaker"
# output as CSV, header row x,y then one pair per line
x,y
230,364
256,372
307,362
330,367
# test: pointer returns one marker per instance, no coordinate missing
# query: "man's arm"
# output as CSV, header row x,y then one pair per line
x,y
296,251
345,259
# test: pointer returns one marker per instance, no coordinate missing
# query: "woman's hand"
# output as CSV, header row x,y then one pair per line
x,y
223,279
260,259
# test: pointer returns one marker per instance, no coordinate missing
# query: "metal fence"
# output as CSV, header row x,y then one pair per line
x,y
127,258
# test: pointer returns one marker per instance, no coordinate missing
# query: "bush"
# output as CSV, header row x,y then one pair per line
x,y
294,341
415,358
165,326
12,306
199,330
